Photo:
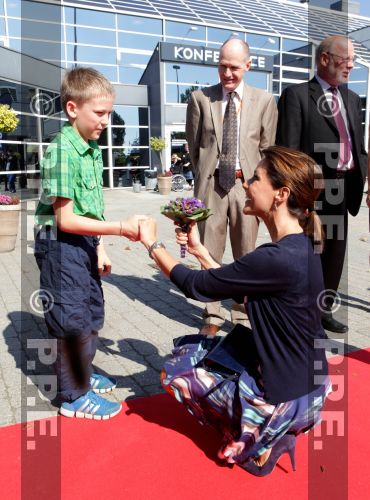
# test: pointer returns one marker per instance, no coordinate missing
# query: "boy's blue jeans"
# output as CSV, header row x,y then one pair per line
x,y
73,304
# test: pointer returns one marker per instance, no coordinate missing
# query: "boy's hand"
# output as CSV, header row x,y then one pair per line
x,y
104,262
148,231
130,227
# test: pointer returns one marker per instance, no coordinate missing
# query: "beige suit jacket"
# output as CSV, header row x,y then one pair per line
x,y
204,131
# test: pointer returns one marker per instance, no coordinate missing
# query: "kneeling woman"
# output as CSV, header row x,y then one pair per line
x,y
281,391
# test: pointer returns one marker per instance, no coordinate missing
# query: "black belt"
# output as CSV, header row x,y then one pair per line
x,y
238,174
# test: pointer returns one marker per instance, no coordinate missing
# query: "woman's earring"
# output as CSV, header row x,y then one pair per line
x,y
275,206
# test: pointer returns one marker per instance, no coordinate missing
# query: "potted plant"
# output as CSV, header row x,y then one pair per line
x,y
164,182
158,144
8,119
9,219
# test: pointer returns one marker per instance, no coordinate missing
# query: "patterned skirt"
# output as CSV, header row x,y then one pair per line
x,y
237,409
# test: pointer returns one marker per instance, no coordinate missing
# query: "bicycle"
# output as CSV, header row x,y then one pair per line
x,y
178,183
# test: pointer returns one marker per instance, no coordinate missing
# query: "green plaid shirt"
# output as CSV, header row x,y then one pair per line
x,y
71,169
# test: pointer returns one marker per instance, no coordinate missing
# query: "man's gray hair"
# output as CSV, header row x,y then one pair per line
x,y
327,44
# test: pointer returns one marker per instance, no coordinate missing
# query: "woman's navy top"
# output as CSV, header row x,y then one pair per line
x,y
282,284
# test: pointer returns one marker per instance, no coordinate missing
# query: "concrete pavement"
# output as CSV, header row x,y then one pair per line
x,y
144,311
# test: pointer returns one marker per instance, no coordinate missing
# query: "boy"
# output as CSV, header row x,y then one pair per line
x,y
69,249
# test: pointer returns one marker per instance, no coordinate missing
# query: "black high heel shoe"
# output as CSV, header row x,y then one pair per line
x,y
285,445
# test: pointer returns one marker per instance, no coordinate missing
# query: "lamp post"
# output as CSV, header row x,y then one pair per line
x,y
176,67
269,40
192,28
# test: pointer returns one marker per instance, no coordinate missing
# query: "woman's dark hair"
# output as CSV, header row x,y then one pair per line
x,y
299,172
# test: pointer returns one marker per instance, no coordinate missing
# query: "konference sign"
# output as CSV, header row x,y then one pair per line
x,y
194,54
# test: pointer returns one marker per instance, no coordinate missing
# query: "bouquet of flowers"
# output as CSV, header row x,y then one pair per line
x,y
8,119
183,211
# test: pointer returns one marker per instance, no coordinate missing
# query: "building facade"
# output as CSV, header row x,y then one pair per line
x,y
155,52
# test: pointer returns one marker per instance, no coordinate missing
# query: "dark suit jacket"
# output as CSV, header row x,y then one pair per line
x,y
305,123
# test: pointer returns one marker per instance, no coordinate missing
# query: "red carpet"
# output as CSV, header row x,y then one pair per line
x,y
155,450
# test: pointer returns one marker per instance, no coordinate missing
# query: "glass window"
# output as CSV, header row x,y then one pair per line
x,y
171,39
141,42
263,42
15,44
41,31
297,46
276,87
34,10
140,24
295,75
130,157
91,36
358,87
89,18
50,128
180,93
359,72
135,60
257,79
197,73
14,26
130,115
91,54
43,50
2,26
296,61
219,35
1,7
130,75
124,136
185,31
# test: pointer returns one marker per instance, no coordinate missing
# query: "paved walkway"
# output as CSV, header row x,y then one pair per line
x,y
144,311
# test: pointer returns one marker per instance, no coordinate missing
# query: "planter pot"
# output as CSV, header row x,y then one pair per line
x,y
164,185
9,220
136,186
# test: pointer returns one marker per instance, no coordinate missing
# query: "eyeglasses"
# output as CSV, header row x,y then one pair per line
x,y
342,59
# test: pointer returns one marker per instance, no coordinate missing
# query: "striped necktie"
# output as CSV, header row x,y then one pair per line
x,y
229,146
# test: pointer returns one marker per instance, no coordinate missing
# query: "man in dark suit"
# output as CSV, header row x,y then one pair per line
x,y
323,119
255,117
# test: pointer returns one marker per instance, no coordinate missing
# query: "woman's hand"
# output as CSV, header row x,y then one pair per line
x,y
191,239
148,231
104,262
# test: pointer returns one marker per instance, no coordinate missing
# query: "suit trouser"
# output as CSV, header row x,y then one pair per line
x,y
334,216
227,210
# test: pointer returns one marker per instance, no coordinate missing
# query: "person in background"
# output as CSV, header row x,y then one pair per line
x,y
227,126
284,381
186,166
323,118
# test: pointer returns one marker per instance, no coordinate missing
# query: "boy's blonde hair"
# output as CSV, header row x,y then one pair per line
x,y
81,84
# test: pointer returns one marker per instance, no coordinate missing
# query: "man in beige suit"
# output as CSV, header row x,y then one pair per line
x,y
256,125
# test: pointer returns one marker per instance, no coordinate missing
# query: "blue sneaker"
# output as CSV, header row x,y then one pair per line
x,y
100,383
92,406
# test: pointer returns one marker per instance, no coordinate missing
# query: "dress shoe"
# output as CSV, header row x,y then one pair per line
x,y
209,329
332,325
285,445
